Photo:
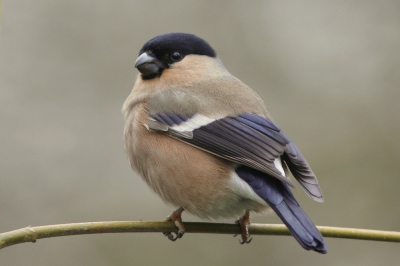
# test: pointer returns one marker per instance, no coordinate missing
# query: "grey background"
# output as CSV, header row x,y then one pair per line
x,y
328,71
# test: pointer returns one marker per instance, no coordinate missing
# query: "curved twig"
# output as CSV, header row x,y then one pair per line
x,y
31,234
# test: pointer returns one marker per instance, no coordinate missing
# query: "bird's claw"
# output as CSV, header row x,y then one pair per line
x,y
245,241
176,218
173,236
244,223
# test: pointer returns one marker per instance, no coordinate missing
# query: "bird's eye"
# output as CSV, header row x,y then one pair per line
x,y
176,56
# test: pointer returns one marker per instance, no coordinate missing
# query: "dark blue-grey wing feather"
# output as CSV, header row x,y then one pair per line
x,y
249,140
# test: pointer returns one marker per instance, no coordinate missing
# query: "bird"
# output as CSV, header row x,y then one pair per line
x,y
205,142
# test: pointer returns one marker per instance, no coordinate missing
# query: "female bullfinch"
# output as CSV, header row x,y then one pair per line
x,y
205,142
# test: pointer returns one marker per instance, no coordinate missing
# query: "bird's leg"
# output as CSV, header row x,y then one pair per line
x,y
244,225
177,219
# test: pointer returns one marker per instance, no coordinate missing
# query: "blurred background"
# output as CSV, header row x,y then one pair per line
x,y
328,71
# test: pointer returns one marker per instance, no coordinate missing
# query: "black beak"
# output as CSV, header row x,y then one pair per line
x,y
149,66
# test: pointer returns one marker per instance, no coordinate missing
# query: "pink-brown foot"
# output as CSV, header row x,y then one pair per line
x,y
244,226
177,219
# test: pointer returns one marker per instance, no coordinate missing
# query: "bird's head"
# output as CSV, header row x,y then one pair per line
x,y
167,50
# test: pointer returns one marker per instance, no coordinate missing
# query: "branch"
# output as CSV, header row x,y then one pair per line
x,y
31,234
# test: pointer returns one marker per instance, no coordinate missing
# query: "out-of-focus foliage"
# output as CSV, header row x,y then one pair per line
x,y
328,71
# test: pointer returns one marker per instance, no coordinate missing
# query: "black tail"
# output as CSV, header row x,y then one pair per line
x,y
301,227
281,200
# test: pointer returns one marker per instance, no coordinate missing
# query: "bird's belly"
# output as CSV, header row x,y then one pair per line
x,y
185,176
